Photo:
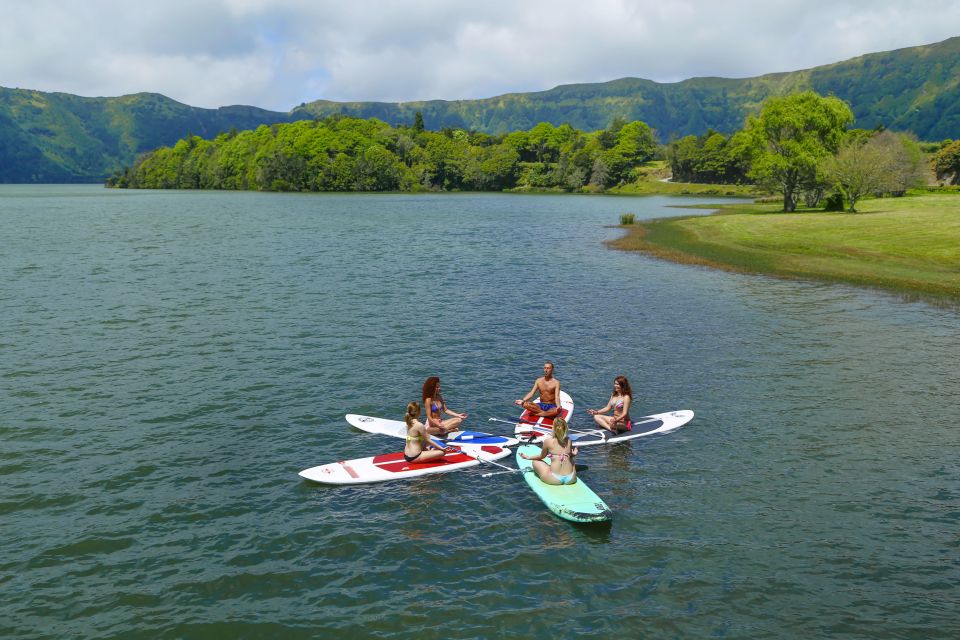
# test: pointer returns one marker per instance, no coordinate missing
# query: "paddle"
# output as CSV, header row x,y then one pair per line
x,y
478,458
579,467
520,420
513,421
497,473
592,432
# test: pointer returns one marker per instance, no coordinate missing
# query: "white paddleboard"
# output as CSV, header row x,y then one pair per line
x,y
645,426
529,424
393,466
398,429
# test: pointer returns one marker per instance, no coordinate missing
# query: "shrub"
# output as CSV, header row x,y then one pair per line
x,y
833,202
627,218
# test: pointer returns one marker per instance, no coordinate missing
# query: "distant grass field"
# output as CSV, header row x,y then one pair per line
x,y
650,183
909,245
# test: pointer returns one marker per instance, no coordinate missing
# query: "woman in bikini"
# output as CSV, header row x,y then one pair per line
x,y
419,446
559,447
435,407
619,403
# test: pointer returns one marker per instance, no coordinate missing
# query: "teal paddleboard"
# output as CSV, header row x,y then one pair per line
x,y
575,502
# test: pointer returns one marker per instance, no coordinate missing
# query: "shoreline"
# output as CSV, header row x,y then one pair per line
x,y
908,246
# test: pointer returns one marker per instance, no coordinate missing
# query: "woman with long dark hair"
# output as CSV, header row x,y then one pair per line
x,y
619,403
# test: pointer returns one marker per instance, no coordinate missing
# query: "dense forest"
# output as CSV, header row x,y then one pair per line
x,y
350,154
800,146
46,137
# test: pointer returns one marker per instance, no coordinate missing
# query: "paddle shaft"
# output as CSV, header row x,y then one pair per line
x,y
522,421
497,473
475,457
570,429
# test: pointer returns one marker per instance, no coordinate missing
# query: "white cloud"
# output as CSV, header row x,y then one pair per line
x,y
278,53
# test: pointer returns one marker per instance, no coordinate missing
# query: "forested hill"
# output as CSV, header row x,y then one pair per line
x,y
915,89
57,137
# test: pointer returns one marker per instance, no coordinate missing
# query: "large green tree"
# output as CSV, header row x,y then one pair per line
x,y
711,158
790,137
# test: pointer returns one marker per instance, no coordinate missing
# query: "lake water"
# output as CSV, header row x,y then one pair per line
x,y
171,360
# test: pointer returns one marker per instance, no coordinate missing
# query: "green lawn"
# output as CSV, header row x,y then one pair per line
x,y
650,182
909,244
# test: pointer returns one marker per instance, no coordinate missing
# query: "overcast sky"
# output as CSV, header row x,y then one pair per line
x,y
278,53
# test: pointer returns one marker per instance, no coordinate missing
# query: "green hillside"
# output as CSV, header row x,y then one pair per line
x,y
914,89
57,137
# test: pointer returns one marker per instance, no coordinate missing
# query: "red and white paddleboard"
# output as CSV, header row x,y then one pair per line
x,y
531,427
392,466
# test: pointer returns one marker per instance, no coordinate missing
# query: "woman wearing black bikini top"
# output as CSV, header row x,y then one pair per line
x,y
419,446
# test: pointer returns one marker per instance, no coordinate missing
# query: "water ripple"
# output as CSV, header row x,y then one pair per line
x,y
173,359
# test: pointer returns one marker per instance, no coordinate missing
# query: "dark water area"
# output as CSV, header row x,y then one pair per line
x,y
171,360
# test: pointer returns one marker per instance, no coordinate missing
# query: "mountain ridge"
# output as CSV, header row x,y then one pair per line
x,y
61,137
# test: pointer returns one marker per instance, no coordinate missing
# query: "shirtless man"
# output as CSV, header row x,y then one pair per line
x,y
549,389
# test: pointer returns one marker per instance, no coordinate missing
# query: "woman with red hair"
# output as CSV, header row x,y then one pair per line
x,y
436,407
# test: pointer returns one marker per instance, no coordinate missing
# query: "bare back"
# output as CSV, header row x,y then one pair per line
x,y
561,457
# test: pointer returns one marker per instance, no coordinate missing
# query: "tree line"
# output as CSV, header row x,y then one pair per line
x,y
800,147
340,153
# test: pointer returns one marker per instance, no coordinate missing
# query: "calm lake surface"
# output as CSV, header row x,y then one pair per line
x,y
171,360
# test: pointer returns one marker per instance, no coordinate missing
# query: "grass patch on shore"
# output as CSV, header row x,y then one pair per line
x,y
909,245
658,188
650,182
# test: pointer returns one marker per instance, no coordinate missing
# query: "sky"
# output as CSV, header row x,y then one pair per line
x,y
277,54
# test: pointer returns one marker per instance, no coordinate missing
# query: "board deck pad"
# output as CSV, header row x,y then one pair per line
x,y
529,423
574,502
395,462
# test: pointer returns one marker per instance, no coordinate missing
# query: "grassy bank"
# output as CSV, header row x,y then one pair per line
x,y
909,245
650,182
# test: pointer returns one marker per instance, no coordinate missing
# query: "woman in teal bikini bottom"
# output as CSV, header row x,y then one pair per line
x,y
559,447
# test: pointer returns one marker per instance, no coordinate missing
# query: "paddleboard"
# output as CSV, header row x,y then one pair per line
x,y
574,502
393,466
533,426
645,426
398,429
